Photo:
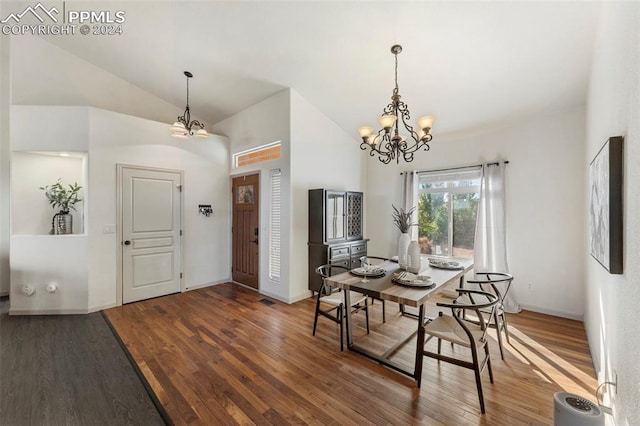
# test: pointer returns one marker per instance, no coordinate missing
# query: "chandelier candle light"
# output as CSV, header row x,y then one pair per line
x,y
183,128
387,143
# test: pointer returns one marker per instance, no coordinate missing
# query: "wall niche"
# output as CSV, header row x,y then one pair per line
x,y
31,213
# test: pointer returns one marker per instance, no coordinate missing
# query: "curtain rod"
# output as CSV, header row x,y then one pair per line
x,y
495,163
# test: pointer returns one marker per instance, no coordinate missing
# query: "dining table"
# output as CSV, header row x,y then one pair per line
x,y
385,288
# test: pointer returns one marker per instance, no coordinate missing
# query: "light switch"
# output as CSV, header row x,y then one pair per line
x,y
109,229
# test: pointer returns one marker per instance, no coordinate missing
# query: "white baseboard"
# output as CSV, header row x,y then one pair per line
x,y
577,317
48,312
93,309
307,294
195,287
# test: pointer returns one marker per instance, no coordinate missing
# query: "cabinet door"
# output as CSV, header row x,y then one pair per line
x,y
335,216
354,215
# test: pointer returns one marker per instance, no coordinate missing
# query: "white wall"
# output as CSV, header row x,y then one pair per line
x,y
265,122
5,152
117,138
45,74
316,153
30,210
113,138
39,260
322,156
611,311
545,201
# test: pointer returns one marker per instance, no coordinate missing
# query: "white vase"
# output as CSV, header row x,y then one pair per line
x,y
403,245
413,257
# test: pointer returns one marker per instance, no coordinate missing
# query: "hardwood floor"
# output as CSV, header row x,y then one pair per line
x,y
221,356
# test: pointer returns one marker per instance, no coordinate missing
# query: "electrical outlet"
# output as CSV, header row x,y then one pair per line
x,y
530,286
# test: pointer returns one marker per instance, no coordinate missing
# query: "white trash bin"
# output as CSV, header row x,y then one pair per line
x,y
573,410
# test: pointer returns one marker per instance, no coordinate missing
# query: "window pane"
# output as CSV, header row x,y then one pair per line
x,y
433,219
465,207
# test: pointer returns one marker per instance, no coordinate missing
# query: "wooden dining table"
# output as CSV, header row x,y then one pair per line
x,y
385,289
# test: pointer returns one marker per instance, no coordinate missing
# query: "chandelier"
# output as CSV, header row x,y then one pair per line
x,y
184,127
387,143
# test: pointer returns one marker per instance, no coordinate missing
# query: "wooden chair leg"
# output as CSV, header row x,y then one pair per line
x,y
503,315
315,319
341,328
476,370
486,351
498,333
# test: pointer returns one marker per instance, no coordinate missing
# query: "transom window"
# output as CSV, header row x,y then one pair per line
x,y
262,153
447,208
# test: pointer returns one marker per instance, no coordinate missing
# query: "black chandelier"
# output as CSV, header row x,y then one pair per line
x,y
183,128
387,143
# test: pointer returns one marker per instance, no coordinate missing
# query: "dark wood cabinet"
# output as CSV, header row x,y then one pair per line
x,y
335,231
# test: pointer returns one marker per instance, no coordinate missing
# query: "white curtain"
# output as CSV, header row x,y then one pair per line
x,y
410,200
490,240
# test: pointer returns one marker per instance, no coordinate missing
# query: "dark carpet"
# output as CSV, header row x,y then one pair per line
x,y
68,370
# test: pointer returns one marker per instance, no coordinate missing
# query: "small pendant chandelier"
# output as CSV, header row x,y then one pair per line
x,y
183,128
387,143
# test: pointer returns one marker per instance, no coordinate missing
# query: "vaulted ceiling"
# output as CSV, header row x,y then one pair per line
x,y
469,63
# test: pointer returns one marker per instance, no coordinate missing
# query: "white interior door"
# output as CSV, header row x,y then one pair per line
x,y
151,229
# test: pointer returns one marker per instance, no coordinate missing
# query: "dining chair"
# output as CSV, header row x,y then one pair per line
x,y
377,260
456,329
497,283
333,299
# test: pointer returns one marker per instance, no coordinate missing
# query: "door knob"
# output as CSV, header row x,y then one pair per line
x,y
126,243
255,241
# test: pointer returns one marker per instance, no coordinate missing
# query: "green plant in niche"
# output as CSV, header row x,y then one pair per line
x,y
402,218
61,196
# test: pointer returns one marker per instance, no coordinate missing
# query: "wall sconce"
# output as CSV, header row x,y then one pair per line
x,y
205,209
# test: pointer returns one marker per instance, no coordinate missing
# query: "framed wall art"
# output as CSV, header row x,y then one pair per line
x,y
605,204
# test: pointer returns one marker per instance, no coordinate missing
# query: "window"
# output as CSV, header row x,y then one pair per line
x,y
447,207
275,219
262,153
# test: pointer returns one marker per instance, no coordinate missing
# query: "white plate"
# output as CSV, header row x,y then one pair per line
x,y
415,283
371,273
413,280
444,264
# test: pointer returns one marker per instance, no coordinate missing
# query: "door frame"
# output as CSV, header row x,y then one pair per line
x,y
260,233
119,239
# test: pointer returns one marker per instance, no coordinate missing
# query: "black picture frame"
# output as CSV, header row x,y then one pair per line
x,y
605,204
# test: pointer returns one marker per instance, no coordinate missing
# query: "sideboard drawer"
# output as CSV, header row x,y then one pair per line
x,y
338,252
359,249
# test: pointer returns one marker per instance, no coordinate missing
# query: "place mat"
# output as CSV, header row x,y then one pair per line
x,y
411,280
374,272
445,264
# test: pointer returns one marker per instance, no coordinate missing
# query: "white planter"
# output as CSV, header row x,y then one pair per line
x,y
413,257
403,246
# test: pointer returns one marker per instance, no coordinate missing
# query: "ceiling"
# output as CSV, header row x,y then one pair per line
x,y
468,63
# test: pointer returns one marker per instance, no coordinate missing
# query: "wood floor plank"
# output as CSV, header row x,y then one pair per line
x,y
219,356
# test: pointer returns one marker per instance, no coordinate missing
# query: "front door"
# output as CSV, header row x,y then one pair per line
x,y
151,228
245,244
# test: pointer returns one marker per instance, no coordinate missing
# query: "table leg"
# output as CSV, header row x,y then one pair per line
x,y
419,347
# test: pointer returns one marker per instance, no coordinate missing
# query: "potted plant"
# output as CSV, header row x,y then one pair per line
x,y
63,198
403,220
